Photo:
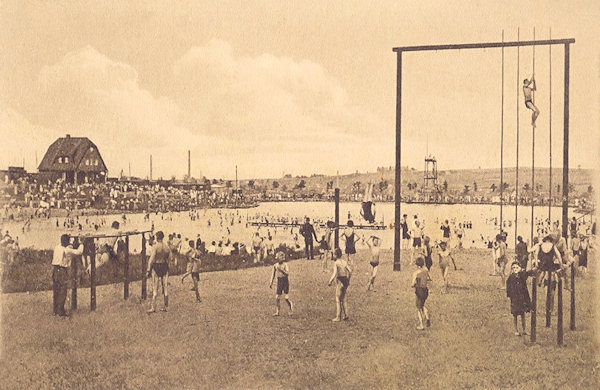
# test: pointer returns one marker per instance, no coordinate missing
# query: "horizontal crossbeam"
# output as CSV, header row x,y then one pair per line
x,y
118,234
484,45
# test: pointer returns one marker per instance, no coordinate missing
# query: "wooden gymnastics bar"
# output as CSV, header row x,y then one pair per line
x,y
89,239
274,224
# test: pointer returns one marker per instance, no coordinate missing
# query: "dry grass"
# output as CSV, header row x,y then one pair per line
x,y
230,340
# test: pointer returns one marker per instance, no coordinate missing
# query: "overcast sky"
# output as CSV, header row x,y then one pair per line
x,y
296,87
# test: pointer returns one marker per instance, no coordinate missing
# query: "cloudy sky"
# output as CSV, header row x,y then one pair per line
x,y
296,87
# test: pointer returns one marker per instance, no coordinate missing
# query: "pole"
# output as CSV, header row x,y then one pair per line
x,y
126,270
565,205
189,164
74,272
559,319
144,265
534,278
337,217
550,132
502,143
517,167
549,293
93,276
398,177
572,319
150,167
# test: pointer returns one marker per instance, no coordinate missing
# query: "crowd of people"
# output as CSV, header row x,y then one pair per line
x,y
30,199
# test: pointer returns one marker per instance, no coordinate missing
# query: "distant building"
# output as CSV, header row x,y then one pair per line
x,y
73,159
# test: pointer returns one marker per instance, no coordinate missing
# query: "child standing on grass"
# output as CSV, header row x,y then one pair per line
x,y
501,259
327,244
193,267
420,281
444,255
516,290
374,244
281,270
427,252
341,273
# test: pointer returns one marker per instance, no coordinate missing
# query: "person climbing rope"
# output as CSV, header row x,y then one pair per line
x,y
528,89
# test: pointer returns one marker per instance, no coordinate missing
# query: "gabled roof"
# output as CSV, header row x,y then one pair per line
x,y
73,147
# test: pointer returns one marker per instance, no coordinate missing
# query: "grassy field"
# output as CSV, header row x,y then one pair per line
x,y
231,340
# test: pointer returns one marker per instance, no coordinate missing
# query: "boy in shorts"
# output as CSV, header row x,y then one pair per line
x,y
420,281
501,259
281,270
341,274
193,267
374,244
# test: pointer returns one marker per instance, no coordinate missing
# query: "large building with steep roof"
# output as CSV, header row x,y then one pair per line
x,y
74,159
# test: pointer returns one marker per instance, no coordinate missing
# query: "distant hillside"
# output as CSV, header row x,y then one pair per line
x,y
478,180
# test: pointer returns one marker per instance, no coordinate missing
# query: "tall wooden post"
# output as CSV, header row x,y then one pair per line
x,y
572,320
549,293
565,205
74,261
144,265
126,270
337,217
533,330
559,320
398,176
93,276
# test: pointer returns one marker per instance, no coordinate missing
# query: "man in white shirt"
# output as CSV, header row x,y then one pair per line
x,y
61,261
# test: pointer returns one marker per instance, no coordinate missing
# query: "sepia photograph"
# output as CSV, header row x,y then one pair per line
x,y
299,194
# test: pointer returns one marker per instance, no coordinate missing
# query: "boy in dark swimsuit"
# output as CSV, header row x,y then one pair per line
x,y
367,211
158,268
420,281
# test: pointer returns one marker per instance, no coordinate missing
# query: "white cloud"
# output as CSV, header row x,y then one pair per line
x,y
269,103
268,114
21,140
89,94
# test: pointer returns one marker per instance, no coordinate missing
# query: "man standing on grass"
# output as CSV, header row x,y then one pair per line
x,y
61,261
308,232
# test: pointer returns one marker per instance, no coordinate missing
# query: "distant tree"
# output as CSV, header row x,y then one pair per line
x,y
410,186
493,187
214,181
251,183
526,187
301,184
284,187
466,189
228,184
445,185
475,186
275,184
558,188
505,186
590,189
571,188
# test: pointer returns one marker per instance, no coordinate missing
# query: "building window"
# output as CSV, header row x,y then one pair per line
x,y
66,160
60,160
87,161
96,162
